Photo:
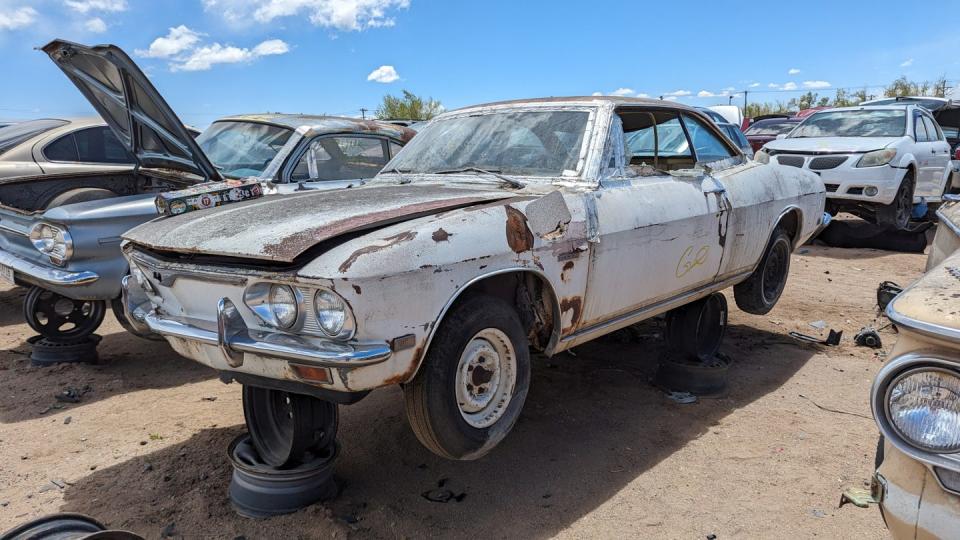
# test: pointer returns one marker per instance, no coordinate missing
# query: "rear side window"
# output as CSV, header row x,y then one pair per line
x,y
341,158
90,145
707,146
933,133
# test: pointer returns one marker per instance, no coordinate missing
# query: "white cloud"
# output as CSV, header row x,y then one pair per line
x,y
754,85
671,98
793,71
773,85
95,25
597,94
790,86
205,57
177,40
678,93
704,93
12,19
816,84
345,15
642,95
383,74
907,63
622,92
84,6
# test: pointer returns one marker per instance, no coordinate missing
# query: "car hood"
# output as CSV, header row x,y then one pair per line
x,y
826,145
131,106
282,227
104,209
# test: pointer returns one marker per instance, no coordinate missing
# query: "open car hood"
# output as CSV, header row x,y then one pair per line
x,y
131,106
282,227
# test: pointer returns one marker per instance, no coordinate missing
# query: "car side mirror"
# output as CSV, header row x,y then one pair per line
x,y
781,136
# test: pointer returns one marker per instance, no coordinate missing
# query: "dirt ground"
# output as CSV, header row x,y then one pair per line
x,y
597,452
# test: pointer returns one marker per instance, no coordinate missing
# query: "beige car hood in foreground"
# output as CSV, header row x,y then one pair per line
x,y
280,228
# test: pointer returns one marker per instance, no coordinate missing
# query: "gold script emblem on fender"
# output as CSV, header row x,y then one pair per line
x,y
690,260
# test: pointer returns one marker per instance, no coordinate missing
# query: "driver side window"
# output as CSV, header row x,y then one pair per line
x,y
708,146
340,158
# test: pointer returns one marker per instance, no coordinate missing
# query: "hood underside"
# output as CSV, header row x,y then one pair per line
x,y
280,228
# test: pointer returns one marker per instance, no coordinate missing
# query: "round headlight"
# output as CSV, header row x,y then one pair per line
x,y
924,408
331,312
283,304
53,241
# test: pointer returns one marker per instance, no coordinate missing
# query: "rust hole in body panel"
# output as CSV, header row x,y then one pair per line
x,y
366,250
565,273
574,304
441,235
356,289
519,237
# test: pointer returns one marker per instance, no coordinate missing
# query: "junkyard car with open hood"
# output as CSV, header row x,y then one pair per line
x,y
916,398
541,223
60,231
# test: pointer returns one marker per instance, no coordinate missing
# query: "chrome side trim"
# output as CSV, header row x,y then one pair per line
x,y
878,406
950,225
651,310
921,327
11,230
46,275
232,336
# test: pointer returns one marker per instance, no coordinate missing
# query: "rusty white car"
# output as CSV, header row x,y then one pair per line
x,y
529,224
916,398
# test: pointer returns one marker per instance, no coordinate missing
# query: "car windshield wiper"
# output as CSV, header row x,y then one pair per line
x,y
399,172
492,172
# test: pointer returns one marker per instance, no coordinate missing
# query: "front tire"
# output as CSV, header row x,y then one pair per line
x,y
897,214
473,382
761,291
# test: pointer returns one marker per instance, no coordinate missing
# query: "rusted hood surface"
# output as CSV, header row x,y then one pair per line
x,y
281,227
950,211
933,299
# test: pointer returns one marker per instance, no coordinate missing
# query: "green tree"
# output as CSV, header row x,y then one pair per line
x,y
409,106
906,87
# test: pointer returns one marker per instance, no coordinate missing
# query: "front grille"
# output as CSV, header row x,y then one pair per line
x,y
831,188
855,191
826,162
792,161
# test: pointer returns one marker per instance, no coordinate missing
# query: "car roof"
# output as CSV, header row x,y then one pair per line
x,y
582,100
311,124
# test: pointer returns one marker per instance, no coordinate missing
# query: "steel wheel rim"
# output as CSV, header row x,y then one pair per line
x,y
49,312
773,271
486,378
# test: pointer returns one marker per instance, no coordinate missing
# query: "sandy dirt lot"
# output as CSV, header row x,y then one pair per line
x,y
597,452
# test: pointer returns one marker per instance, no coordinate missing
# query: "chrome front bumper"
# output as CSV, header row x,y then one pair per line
x,y
234,338
45,275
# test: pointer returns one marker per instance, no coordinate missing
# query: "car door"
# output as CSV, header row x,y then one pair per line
x,y
939,156
336,161
86,150
922,152
659,233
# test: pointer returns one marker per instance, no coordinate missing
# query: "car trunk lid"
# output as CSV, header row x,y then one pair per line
x,y
131,106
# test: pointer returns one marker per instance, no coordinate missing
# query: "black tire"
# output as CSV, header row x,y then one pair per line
x,y
285,427
694,331
433,407
79,195
59,318
897,214
761,291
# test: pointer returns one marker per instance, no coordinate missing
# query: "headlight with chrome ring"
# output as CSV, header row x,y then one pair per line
x,y
877,158
284,305
923,406
333,314
761,156
53,241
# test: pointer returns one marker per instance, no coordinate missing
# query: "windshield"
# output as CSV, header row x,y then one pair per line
x,y
242,149
854,123
15,134
525,143
770,127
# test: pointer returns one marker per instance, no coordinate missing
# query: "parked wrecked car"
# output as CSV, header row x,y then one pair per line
x,y
60,230
916,398
54,146
529,224
764,130
875,161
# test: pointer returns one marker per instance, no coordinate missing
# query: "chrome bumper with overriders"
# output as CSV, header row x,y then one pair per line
x,y
234,338
33,272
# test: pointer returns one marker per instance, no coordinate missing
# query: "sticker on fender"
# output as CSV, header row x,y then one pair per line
x,y
6,274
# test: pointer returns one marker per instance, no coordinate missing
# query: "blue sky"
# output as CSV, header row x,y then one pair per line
x,y
220,57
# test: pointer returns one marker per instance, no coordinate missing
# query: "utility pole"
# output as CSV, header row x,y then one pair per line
x,y
363,113
745,92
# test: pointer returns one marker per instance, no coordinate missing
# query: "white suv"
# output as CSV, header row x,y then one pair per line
x,y
875,161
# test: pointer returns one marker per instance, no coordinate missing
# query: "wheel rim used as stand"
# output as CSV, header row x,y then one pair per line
x,y
65,326
66,526
692,363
